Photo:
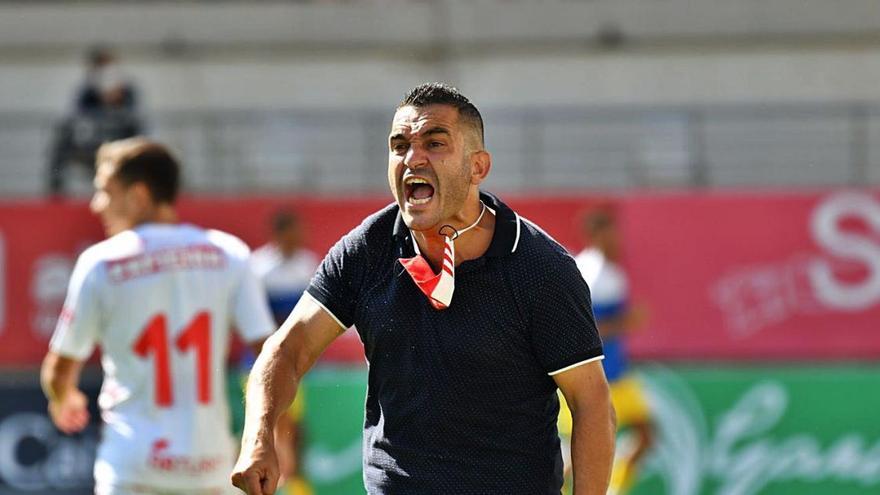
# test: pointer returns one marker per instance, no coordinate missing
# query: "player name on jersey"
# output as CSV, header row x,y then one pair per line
x,y
202,256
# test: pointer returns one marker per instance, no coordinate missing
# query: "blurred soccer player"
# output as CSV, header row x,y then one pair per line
x,y
615,316
160,298
285,266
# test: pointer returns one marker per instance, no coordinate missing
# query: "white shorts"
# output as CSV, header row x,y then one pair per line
x,y
147,490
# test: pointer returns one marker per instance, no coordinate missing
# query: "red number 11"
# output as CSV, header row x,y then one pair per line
x,y
154,340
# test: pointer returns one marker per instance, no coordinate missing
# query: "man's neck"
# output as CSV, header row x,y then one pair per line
x,y
287,252
160,214
470,245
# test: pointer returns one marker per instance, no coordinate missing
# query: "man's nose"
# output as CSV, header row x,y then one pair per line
x,y
97,203
415,157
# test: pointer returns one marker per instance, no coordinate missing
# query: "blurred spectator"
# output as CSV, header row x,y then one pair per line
x,y
102,66
616,315
104,111
286,266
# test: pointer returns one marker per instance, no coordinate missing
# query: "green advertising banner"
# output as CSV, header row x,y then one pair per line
x,y
722,430
764,430
334,421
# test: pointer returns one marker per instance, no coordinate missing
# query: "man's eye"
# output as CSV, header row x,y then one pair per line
x,y
436,144
399,147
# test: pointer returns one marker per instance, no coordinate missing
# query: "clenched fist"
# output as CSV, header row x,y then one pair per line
x,y
256,471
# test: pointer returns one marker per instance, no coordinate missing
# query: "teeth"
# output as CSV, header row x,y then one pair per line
x,y
410,181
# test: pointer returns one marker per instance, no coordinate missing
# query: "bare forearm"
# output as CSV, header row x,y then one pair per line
x,y
271,388
58,376
54,387
68,406
286,356
592,448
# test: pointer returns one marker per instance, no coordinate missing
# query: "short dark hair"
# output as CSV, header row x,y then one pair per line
x,y
283,220
139,159
442,94
98,55
599,219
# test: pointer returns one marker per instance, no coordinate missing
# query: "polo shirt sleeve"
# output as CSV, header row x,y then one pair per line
x,y
337,282
564,333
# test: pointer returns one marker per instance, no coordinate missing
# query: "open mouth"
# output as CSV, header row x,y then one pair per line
x,y
418,191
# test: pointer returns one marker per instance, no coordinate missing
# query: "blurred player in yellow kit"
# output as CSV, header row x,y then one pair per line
x,y
288,432
288,441
285,266
615,316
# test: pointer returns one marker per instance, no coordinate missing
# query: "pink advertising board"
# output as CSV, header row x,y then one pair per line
x,y
724,275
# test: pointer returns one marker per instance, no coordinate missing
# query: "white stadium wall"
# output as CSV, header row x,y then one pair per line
x,y
246,55
353,61
341,81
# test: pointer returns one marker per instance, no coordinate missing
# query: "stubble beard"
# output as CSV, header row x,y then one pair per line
x,y
453,197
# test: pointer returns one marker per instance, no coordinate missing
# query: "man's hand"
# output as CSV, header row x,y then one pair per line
x,y
68,406
285,358
70,413
256,472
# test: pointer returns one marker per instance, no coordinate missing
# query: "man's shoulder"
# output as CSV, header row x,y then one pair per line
x,y
93,260
377,228
121,245
266,251
540,259
228,243
536,242
265,258
161,237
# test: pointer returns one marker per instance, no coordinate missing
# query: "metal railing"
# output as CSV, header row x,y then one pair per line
x,y
534,149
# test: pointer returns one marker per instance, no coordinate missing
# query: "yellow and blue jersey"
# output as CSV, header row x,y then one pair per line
x,y
609,294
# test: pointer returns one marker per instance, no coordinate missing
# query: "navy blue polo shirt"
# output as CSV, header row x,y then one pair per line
x,y
462,400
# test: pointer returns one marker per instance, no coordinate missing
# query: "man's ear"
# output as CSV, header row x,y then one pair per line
x,y
481,164
139,195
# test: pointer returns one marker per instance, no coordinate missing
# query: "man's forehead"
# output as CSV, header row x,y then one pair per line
x,y
104,173
416,119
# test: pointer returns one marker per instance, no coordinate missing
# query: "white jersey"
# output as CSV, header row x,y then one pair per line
x,y
160,300
285,278
284,275
607,281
